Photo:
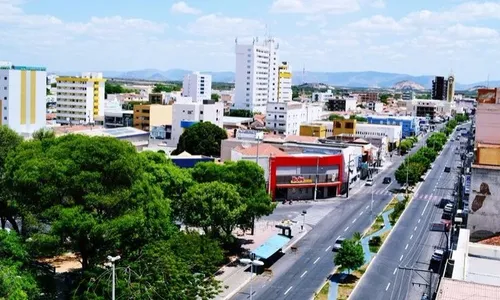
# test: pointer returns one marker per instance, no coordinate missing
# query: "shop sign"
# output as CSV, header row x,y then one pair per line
x,y
300,179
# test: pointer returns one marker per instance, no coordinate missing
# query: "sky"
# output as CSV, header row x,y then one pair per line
x,y
417,37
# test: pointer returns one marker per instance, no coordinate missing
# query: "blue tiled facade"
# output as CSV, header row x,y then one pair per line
x,y
409,125
190,162
187,124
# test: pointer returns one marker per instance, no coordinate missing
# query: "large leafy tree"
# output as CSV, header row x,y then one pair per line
x,y
411,171
203,138
350,256
249,180
216,207
92,192
9,140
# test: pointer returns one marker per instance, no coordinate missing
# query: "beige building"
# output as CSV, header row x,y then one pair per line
x,y
147,116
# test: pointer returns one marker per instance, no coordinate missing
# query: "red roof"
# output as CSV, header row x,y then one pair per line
x,y
264,150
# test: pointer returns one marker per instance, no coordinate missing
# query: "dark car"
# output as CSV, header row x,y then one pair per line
x,y
447,169
443,202
387,180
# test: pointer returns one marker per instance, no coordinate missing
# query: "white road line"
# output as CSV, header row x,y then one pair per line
x,y
406,246
401,258
327,248
360,214
395,270
347,228
424,209
337,238
368,206
411,236
316,260
388,285
288,290
415,229
353,221
305,272
419,221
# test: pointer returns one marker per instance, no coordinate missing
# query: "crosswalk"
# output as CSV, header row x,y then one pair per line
x,y
384,192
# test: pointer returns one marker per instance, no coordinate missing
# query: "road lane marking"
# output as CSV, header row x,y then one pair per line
x,y
411,236
406,246
415,229
353,221
288,290
316,260
425,208
395,270
327,248
347,228
360,214
337,238
305,272
401,258
368,206
418,221
388,285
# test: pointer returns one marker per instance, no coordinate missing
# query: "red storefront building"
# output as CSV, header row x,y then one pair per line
x,y
297,177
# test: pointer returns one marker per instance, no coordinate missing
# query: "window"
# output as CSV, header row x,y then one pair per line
x,y
5,88
5,118
5,78
5,98
5,108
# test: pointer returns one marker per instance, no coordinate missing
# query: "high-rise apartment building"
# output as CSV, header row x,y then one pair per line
x,y
285,83
197,86
256,78
80,99
450,88
439,88
22,97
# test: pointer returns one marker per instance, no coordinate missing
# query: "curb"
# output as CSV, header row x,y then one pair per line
x,y
326,281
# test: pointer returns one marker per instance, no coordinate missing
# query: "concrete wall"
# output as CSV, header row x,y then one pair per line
x,y
484,203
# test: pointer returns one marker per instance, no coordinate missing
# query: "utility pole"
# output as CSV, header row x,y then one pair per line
x,y
112,260
348,175
316,179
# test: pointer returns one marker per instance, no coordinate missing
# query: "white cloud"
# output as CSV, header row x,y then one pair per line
x,y
376,23
378,4
183,8
218,25
315,6
460,31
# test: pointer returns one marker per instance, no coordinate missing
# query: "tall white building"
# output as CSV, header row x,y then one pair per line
x,y
256,78
197,86
22,97
285,117
186,114
285,83
80,99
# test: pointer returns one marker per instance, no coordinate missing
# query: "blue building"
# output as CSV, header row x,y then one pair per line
x,y
410,125
186,160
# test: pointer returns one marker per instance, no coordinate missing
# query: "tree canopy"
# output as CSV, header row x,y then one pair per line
x,y
203,138
215,97
350,256
159,87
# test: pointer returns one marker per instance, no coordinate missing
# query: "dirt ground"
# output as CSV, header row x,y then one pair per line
x,y
64,263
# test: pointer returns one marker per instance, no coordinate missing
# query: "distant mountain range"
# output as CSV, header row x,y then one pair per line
x,y
369,79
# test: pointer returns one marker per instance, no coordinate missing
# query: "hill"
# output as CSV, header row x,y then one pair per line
x,y
406,84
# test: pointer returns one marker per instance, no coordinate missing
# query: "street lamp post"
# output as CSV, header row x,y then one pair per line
x,y
257,263
112,260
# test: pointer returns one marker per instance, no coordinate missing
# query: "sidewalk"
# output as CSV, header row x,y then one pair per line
x,y
234,276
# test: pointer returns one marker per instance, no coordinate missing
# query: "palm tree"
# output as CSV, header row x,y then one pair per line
x,y
357,236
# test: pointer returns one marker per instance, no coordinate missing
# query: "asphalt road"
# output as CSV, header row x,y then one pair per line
x,y
411,243
299,275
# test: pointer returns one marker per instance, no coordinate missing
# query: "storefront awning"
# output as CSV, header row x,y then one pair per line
x,y
271,246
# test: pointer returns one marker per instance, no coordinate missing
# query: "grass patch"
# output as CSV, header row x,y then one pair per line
x,y
323,293
374,249
346,287
391,204
384,236
376,226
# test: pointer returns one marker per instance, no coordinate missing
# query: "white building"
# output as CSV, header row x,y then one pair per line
x,y
197,86
285,117
322,97
375,106
256,78
429,108
23,97
80,100
343,103
285,83
186,114
393,133
313,112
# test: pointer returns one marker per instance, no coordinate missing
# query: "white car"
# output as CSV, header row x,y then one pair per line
x,y
448,208
369,182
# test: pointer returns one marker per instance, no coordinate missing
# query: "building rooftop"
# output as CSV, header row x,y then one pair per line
x,y
10,66
236,121
451,289
488,123
123,132
263,149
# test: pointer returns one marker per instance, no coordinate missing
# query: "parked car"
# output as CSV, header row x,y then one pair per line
x,y
448,208
387,180
438,255
447,169
443,202
338,244
369,182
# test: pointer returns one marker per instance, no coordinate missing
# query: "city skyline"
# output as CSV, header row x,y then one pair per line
x,y
332,36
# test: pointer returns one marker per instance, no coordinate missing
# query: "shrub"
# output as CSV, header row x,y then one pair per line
x,y
375,241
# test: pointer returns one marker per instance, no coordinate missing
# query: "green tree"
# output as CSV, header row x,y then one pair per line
x,y
159,87
110,88
350,256
428,153
295,93
43,134
384,98
335,117
93,193
203,138
9,140
215,97
413,171
216,207
436,141
358,118
243,113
